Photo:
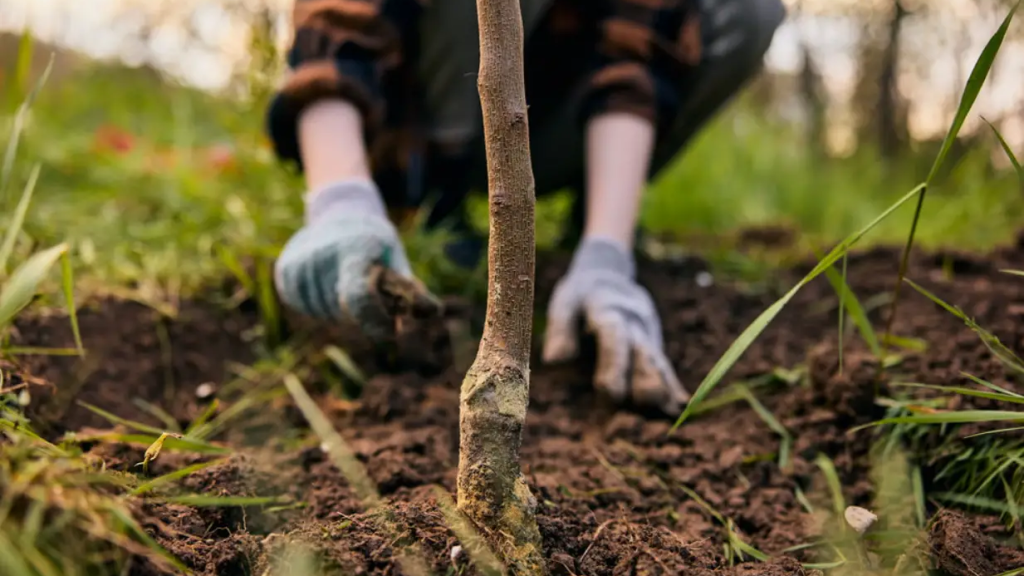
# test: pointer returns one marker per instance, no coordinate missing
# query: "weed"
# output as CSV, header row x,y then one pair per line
x,y
747,337
85,517
974,83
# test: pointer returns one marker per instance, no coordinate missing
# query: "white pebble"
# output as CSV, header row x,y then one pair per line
x,y
456,553
859,518
24,398
205,390
705,279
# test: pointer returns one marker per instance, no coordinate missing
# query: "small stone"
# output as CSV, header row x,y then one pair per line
x,y
705,279
24,398
456,553
859,518
205,390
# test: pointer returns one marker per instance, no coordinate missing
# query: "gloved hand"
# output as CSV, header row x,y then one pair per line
x,y
325,269
631,362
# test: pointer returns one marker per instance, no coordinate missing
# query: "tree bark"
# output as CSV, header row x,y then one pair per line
x,y
891,123
491,489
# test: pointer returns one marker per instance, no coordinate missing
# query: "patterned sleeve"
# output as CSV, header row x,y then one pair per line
x,y
341,49
645,50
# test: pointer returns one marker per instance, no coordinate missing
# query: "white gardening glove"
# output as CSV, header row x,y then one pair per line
x,y
324,270
600,289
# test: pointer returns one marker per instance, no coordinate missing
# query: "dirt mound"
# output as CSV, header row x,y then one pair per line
x,y
615,488
962,550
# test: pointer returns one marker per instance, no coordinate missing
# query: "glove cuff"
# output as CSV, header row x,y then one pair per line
x,y
596,253
348,197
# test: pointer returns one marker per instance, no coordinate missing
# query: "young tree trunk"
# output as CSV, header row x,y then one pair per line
x,y
495,393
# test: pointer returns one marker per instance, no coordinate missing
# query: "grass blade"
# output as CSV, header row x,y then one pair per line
x,y
159,413
849,302
171,443
203,418
474,544
231,262
11,560
68,287
802,499
345,363
956,417
40,351
14,227
267,297
148,540
19,127
703,503
742,547
919,497
115,419
204,501
966,392
971,90
22,285
997,431
824,565
1004,354
745,339
176,475
977,502
785,439
974,83
340,452
842,308
410,557
947,307
835,487
1008,151
990,385
23,68
907,343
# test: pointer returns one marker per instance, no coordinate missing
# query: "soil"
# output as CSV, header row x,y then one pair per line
x,y
613,486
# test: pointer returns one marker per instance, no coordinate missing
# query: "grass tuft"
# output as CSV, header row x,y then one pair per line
x,y
974,83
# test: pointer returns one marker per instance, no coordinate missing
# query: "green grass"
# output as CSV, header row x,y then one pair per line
x,y
750,169
85,515
161,218
985,470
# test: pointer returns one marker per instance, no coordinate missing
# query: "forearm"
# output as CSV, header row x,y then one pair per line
x,y
618,152
645,52
331,144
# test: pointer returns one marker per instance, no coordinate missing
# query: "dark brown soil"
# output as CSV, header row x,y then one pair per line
x,y
612,485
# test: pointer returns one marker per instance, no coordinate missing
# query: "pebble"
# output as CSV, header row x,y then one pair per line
x,y
705,279
205,390
859,518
